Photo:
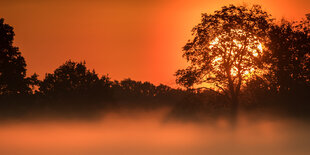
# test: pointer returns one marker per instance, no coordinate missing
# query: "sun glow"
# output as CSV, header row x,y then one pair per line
x,y
252,47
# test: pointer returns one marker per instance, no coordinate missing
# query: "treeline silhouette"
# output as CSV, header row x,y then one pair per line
x,y
73,90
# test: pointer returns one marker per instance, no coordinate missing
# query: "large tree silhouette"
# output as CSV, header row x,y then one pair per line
x,y
225,50
12,64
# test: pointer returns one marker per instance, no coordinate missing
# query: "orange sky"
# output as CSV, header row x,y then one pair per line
x,y
140,39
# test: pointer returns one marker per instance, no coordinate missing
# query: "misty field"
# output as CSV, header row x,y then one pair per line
x,y
153,132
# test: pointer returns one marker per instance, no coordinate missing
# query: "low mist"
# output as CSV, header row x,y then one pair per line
x,y
155,132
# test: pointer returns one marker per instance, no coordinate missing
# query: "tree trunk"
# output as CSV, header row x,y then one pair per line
x,y
234,99
234,94
234,109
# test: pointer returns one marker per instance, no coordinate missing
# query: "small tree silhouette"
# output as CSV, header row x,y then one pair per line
x,y
71,78
226,49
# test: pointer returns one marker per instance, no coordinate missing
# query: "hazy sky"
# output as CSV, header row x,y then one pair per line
x,y
139,39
